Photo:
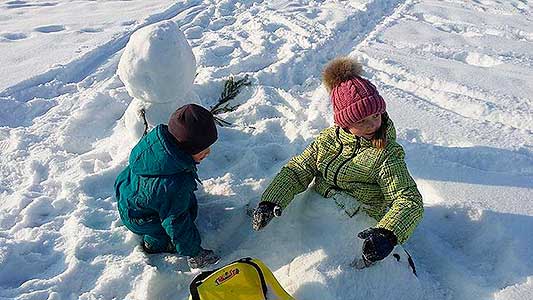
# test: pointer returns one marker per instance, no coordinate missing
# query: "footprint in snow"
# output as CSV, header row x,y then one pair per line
x,y
91,30
478,59
16,2
128,23
19,4
222,51
13,36
49,28
194,32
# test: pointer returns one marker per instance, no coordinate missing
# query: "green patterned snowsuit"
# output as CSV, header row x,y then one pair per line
x,y
340,161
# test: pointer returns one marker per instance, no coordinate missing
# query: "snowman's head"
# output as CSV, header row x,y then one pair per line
x,y
158,65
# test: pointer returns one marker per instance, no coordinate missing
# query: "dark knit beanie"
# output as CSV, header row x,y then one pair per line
x,y
193,127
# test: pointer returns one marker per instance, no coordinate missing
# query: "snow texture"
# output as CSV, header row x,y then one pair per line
x,y
154,113
456,77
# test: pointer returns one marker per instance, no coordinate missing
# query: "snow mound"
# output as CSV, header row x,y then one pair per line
x,y
310,248
158,64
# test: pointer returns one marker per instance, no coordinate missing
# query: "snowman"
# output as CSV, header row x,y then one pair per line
x,y
157,68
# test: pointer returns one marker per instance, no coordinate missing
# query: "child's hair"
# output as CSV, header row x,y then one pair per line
x,y
380,137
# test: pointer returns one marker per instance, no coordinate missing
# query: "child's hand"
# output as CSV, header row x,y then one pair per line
x,y
378,243
264,213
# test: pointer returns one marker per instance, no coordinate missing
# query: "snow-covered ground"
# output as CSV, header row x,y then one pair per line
x,y
456,76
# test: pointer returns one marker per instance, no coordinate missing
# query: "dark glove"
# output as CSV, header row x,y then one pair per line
x,y
378,243
202,259
264,213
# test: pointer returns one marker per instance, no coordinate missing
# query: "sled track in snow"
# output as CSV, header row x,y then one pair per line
x,y
53,82
450,96
454,97
309,61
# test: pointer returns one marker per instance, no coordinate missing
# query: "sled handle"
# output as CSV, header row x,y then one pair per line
x,y
193,287
249,261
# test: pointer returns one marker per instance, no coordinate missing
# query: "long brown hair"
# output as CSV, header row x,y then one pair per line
x,y
380,137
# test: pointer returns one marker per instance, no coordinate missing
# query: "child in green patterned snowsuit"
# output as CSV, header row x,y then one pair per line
x,y
358,156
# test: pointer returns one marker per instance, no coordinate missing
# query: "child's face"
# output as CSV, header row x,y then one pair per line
x,y
366,127
201,155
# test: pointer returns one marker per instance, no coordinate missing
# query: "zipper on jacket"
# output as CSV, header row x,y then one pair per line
x,y
195,175
336,155
357,146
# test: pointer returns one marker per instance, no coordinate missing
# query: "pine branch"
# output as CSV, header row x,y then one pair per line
x,y
221,122
231,90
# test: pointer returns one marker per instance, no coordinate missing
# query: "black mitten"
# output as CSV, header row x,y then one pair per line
x,y
378,243
264,213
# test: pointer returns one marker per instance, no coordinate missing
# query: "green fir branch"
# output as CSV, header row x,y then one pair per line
x,y
221,122
231,89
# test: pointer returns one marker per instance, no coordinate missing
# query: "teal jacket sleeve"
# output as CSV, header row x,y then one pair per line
x,y
176,205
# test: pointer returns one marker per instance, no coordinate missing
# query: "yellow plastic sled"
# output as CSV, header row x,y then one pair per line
x,y
244,279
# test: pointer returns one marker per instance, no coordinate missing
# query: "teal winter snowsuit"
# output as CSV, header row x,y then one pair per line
x,y
155,194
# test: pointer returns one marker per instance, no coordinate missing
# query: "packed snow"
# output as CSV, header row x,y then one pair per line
x,y
157,68
157,64
456,77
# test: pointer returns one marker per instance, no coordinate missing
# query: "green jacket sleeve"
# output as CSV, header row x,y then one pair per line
x,y
175,207
293,178
399,188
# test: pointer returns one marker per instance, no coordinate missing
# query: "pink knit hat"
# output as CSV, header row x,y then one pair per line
x,y
354,100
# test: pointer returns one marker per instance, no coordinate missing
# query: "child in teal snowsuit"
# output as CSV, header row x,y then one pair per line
x,y
155,192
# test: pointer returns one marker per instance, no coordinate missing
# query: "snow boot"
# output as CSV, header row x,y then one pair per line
x,y
203,259
153,248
